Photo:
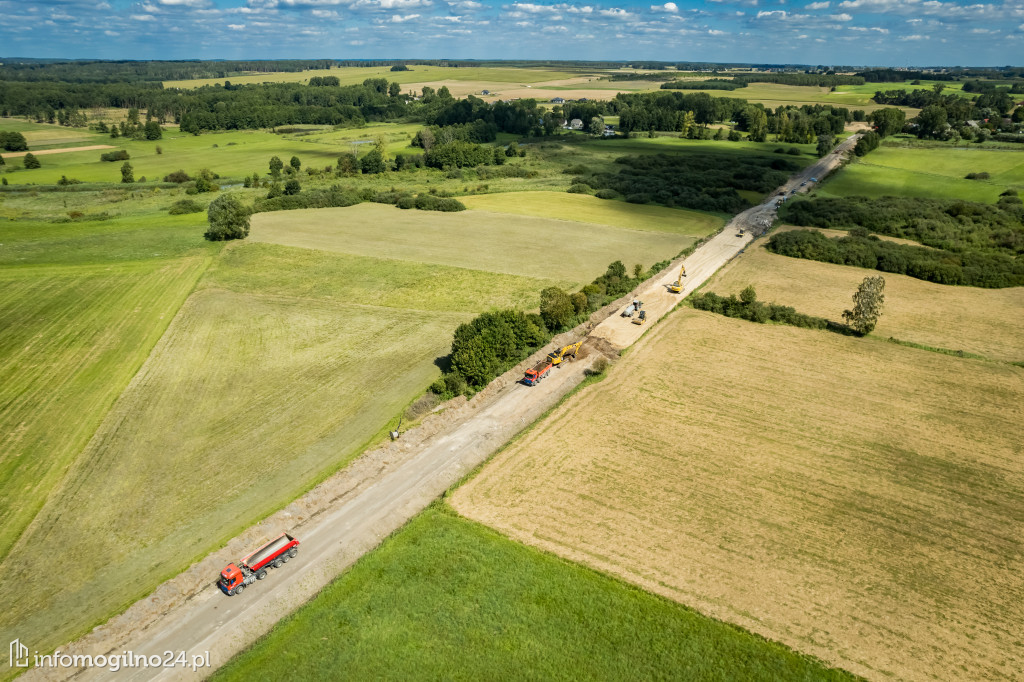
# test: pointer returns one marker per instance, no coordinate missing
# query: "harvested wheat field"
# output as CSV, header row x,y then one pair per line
x,y
857,500
988,322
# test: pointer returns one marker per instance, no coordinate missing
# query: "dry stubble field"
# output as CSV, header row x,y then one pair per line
x,y
854,499
988,322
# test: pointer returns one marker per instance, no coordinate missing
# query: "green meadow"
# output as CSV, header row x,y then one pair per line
x,y
930,172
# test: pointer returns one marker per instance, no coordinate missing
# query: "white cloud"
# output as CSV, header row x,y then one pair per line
x,y
399,18
840,17
531,8
236,27
584,36
142,17
453,19
917,37
324,13
818,5
466,4
772,14
111,33
403,4
554,29
716,32
184,3
669,7
614,12
585,9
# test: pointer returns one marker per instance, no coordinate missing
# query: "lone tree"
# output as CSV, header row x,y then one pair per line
x,y
825,143
867,305
275,166
31,161
292,187
228,218
295,163
127,173
556,308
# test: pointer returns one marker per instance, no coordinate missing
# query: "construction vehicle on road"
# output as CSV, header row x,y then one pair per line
x,y
566,352
677,286
274,554
538,372
641,318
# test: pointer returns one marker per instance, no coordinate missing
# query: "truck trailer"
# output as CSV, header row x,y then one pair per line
x,y
274,554
538,372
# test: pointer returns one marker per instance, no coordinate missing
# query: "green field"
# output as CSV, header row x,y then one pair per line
x,y
934,172
446,598
265,367
352,75
502,243
589,209
72,338
247,401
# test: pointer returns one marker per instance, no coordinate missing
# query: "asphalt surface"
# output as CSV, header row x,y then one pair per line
x,y
210,621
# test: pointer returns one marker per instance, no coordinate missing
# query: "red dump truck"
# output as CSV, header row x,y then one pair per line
x,y
538,372
278,551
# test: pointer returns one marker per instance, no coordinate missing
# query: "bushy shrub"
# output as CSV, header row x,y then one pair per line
x,y
606,194
178,176
756,311
427,202
119,155
333,197
580,188
978,176
185,206
406,201
30,161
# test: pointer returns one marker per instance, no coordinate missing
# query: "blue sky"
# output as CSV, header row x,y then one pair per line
x,y
873,32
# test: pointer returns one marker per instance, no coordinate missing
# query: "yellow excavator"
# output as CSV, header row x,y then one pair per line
x,y
677,286
556,356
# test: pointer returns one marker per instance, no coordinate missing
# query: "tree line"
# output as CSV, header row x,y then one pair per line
x,y
970,243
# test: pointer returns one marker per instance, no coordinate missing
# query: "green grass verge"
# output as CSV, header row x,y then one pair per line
x,y
448,598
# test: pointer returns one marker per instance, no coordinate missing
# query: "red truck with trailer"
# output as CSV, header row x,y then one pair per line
x,y
538,372
278,551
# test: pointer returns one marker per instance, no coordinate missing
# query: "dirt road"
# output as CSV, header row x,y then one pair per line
x,y
65,150
383,496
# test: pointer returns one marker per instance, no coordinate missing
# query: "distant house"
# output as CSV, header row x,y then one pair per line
x,y
576,124
558,100
485,92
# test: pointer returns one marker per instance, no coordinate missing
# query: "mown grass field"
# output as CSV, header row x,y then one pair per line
x,y
934,172
588,209
352,75
71,338
501,243
853,499
247,401
445,598
988,322
264,382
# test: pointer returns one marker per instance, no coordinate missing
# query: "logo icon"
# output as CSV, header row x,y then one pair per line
x,y
19,654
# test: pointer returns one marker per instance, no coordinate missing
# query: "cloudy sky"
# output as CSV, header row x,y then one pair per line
x,y
873,32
